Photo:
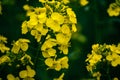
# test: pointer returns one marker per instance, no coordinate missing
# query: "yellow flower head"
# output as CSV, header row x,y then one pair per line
x,y
4,58
20,44
62,39
29,73
48,44
55,21
113,10
49,53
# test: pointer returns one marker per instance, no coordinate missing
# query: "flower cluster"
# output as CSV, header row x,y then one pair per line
x,y
11,56
3,49
101,54
24,74
54,22
51,26
114,8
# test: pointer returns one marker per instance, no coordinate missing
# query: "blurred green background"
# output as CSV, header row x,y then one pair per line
x,y
94,26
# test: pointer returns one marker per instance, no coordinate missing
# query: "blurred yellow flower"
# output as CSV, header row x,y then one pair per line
x,y
114,59
113,10
11,77
97,75
3,39
3,48
84,2
4,58
115,78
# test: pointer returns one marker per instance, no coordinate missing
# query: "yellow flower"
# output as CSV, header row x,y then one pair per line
x,y
74,29
64,62
48,44
27,74
62,39
57,64
55,21
26,7
42,16
4,58
36,34
3,48
53,25
39,29
11,77
114,58
3,39
93,58
65,1
60,78
33,20
20,44
71,15
115,78
89,68
24,27
113,10
115,49
84,2
49,62
64,49
65,29
57,17
95,46
97,75
28,57
49,53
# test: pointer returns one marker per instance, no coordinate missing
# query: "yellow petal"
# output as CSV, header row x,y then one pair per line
x,y
24,46
45,54
51,52
15,49
23,74
49,62
74,29
10,77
